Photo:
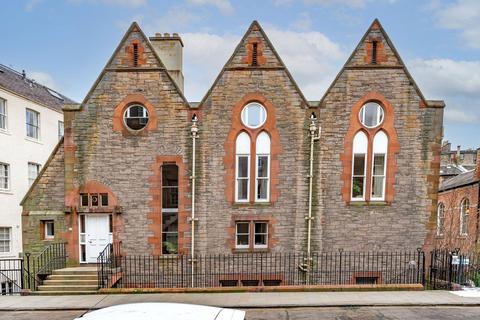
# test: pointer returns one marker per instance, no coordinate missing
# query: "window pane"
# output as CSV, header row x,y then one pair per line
x,y
242,227
370,115
170,243
169,186
260,227
242,240
253,115
242,167
104,198
50,229
169,221
94,198
379,164
262,188
359,165
262,164
261,239
242,185
357,189
84,200
377,187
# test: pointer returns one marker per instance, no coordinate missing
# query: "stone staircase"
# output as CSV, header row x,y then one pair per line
x,y
77,280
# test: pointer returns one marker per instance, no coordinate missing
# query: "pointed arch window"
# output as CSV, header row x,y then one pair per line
x,y
262,179
242,172
464,215
440,219
359,166
379,168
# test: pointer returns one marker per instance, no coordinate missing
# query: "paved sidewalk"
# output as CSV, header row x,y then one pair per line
x,y
244,300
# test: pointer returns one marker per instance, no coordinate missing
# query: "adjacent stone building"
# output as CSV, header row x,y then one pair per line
x,y
273,171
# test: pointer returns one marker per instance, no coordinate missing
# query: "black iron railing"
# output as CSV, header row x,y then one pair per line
x,y
107,265
11,276
37,268
449,268
260,269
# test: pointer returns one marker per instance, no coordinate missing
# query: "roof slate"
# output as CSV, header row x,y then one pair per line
x,y
15,82
459,180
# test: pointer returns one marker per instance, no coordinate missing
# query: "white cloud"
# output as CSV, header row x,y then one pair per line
x,y
31,4
223,5
348,3
456,82
312,58
43,78
125,3
463,15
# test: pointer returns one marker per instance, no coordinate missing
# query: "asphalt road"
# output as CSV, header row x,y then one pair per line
x,y
343,313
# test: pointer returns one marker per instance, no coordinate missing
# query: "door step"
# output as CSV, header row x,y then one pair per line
x,y
79,280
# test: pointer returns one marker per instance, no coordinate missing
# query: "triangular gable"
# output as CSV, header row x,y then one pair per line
x,y
387,57
148,58
268,57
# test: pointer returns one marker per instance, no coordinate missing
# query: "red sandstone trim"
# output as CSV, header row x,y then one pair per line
x,y
261,60
127,60
251,218
275,148
393,148
155,215
118,123
381,56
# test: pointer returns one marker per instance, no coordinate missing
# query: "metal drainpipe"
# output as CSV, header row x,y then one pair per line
x,y
313,137
194,131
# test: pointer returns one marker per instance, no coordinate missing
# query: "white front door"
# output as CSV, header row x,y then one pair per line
x,y
97,235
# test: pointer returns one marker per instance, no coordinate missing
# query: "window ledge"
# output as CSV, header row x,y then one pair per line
x,y
33,140
250,250
368,203
8,133
2,191
249,204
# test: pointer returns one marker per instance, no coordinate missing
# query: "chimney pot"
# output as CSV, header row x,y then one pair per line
x,y
166,35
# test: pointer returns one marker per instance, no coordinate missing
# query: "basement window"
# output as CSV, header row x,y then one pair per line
x,y
366,280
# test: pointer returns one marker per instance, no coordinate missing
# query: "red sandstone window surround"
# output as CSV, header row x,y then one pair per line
x,y
370,146
252,160
251,235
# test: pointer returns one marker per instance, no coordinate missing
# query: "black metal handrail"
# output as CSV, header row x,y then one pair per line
x,y
106,263
38,268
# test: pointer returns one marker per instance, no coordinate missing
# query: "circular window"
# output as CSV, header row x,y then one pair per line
x,y
136,117
254,115
371,115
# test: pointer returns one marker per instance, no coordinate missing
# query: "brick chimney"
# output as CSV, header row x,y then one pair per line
x,y
170,50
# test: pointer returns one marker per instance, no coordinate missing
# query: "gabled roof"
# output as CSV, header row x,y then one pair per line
x,y
460,180
134,27
17,83
252,27
377,25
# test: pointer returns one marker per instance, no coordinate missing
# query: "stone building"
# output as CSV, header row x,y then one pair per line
x,y
273,171
458,211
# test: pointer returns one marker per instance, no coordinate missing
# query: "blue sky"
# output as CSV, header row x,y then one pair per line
x,y
66,43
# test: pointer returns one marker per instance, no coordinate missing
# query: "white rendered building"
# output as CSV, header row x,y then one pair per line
x,y
31,123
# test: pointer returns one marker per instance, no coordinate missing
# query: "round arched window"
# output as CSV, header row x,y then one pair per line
x,y
371,114
254,115
136,117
